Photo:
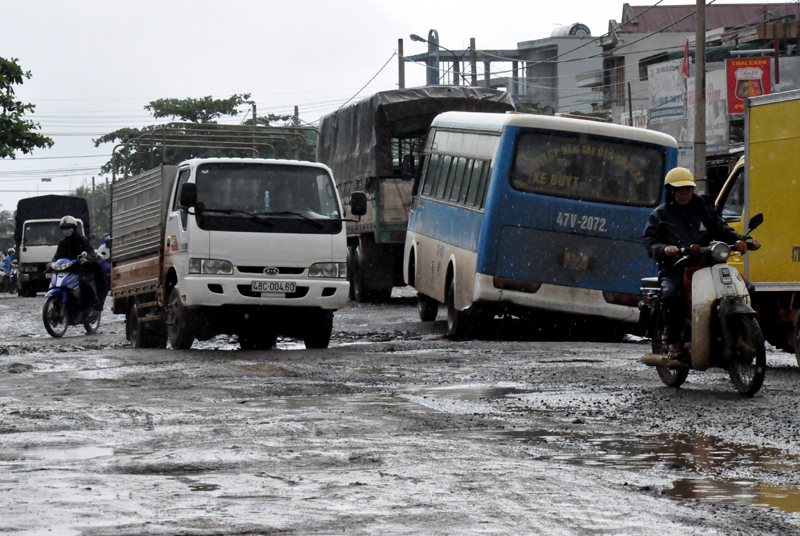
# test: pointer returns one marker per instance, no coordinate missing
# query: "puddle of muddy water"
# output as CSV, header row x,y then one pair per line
x,y
692,453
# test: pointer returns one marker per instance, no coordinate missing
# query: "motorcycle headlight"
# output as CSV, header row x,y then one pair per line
x,y
210,266
57,267
328,269
720,252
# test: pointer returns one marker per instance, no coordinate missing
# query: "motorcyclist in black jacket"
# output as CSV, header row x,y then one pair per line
x,y
694,221
71,247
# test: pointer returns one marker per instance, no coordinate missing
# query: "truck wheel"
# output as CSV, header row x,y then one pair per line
x,y
180,324
797,340
254,340
357,285
318,332
26,291
459,325
351,260
140,335
428,307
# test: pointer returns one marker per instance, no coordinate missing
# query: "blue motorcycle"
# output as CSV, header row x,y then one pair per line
x,y
63,305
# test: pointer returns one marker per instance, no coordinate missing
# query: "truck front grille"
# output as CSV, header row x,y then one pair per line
x,y
282,270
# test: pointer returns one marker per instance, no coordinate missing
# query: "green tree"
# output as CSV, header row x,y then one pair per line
x,y
16,132
139,149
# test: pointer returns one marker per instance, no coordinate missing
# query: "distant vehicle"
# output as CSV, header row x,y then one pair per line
x,y
375,145
766,180
243,246
63,307
37,235
522,213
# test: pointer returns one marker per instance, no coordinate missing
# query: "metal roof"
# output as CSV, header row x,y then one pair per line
x,y
717,16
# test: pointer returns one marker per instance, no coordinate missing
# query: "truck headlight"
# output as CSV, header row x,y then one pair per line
x,y
328,269
210,266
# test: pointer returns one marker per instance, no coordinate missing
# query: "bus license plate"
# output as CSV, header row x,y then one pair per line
x,y
274,287
576,261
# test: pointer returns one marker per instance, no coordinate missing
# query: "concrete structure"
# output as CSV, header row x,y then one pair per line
x,y
543,71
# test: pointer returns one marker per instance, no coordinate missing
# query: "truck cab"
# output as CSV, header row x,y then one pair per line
x,y
38,243
250,247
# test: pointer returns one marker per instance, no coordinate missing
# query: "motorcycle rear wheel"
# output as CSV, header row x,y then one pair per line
x,y
748,364
54,316
91,325
672,377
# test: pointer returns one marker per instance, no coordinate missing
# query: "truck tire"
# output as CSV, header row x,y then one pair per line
x,y
318,332
180,324
797,340
26,290
140,335
358,285
351,259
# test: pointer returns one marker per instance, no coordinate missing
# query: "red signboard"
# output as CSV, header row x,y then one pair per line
x,y
747,78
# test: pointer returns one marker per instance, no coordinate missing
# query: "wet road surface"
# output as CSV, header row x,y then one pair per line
x,y
393,430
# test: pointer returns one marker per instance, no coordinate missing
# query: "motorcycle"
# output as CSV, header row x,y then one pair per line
x,y
12,279
63,307
721,329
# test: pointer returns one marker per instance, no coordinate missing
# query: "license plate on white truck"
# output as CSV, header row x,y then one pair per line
x,y
274,287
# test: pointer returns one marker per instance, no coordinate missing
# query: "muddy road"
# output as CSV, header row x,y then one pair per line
x,y
393,430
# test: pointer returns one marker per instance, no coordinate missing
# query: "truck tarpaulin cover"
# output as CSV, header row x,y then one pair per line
x,y
49,207
356,141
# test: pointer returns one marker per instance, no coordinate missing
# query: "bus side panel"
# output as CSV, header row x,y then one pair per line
x,y
441,230
774,189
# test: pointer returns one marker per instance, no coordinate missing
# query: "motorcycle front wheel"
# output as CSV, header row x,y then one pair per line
x,y
54,315
748,362
673,377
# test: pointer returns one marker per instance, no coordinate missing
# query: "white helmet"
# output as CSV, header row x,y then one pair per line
x,y
68,221
11,251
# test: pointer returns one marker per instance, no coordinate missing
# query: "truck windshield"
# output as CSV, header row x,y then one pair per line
x,y
286,195
44,233
588,168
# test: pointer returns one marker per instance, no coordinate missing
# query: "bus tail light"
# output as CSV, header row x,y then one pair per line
x,y
620,298
520,285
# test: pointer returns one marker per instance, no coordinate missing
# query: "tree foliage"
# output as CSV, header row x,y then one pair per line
x,y
6,230
205,110
139,149
16,132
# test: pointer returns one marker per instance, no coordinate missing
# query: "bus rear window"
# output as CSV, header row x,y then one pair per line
x,y
588,169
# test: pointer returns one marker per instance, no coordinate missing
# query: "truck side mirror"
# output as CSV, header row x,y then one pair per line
x,y
188,195
358,204
755,221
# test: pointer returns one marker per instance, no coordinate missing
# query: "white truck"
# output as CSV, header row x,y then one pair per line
x,y
37,235
250,247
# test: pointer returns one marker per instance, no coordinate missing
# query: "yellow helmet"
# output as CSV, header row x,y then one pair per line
x,y
679,177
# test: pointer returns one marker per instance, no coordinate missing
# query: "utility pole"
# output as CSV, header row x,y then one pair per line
x,y
473,61
296,116
255,115
630,104
94,205
700,99
401,65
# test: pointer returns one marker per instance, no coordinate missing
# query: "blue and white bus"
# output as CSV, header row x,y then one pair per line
x,y
521,213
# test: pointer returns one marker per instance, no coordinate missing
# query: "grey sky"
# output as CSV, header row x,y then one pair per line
x,y
95,64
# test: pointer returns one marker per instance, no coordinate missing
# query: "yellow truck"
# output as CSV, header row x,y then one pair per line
x,y
767,180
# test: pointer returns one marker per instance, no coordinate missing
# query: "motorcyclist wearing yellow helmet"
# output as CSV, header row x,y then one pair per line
x,y
693,221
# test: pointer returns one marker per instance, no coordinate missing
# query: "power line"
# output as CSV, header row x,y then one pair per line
x,y
370,80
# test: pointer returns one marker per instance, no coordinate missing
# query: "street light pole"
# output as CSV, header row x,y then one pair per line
x,y
433,78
